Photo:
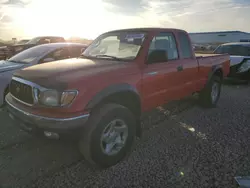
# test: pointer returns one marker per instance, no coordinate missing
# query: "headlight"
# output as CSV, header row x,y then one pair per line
x,y
55,98
244,67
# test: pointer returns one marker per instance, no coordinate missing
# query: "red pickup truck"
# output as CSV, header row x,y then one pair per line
x,y
100,96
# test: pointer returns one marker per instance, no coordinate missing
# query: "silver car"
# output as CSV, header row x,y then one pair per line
x,y
35,55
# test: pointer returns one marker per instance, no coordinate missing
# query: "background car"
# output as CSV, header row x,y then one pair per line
x,y
239,59
10,50
35,55
24,41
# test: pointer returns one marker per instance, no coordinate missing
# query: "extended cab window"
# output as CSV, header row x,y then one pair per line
x,y
162,48
185,45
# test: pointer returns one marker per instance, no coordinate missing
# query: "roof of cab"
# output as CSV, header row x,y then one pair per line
x,y
148,29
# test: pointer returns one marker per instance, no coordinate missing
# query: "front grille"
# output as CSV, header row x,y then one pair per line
x,y
21,91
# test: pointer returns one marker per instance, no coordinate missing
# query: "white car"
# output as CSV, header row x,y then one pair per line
x,y
239,59
35,55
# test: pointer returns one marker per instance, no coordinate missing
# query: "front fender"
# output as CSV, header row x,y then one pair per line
x,y
110,90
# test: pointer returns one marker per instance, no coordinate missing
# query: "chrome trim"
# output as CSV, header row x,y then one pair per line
x,y
27,82
47,118
35,94
41,89
20,100
152,73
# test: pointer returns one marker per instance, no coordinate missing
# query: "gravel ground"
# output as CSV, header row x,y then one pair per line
x,y
182,145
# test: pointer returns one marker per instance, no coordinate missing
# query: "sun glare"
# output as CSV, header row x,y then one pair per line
x,y
64,18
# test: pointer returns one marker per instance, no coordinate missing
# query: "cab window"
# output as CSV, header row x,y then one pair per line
x,y
163,48
185,45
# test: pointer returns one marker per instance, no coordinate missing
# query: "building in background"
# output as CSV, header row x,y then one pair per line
x,y
219,37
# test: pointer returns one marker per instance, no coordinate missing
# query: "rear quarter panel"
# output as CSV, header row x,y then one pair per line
x,y
209,62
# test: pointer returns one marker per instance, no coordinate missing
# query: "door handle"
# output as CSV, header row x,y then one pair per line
x,y
179,68
152,73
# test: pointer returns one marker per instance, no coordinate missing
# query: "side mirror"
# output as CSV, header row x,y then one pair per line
x,y
48,59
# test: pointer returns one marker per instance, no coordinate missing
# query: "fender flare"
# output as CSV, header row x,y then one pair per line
x,y
110,90
212,72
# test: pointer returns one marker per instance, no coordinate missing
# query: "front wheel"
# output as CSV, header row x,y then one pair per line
x,y
109,135
210,95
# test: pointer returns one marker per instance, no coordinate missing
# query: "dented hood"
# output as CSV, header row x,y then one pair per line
x,y
58,74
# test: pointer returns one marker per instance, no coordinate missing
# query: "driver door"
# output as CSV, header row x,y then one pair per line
x,y
161,76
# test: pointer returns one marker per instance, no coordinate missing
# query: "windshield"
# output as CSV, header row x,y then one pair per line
x,y
34,40
29,55
121,45
237,50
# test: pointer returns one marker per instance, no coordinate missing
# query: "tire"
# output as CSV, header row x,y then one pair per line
x,y
206,96
90,144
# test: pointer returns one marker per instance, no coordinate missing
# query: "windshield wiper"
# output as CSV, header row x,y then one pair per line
x,y
109,56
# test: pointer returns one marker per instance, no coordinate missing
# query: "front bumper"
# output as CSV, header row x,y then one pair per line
x,y
35,123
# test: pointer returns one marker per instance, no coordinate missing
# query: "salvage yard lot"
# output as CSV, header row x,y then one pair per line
x,y
186,147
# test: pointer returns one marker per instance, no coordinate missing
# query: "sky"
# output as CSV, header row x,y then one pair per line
x,y
89,18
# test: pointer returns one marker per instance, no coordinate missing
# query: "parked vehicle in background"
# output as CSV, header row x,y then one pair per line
x,y
10,50
24,41
32,56
99,98
239,59
2,44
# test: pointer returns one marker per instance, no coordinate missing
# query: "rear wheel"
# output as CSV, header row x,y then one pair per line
x,y
109,136
209,97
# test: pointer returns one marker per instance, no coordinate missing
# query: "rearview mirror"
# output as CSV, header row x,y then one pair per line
x,y
48,59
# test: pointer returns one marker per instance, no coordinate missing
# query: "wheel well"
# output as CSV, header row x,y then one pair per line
x,y
219,73
128,99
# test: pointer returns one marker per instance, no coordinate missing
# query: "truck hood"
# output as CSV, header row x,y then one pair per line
x,y
234,60
58,74
8,66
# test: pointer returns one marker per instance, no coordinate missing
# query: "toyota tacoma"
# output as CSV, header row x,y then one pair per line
x,y
100,96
